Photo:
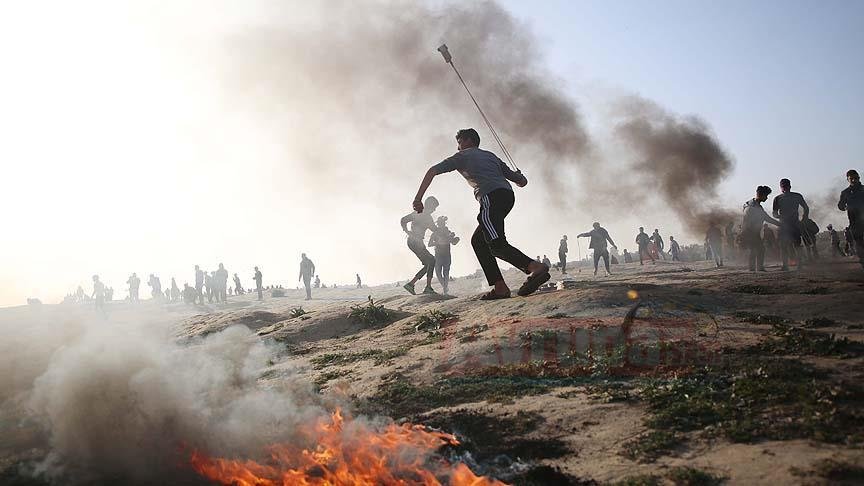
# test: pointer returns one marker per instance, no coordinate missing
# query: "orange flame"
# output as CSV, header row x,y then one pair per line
x,y
397,455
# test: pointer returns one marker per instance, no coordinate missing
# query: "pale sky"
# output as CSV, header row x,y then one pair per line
x,y
122,151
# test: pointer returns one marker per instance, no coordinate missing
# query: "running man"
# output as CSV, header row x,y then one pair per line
x,y
642,241
852,201
786,207
674,249
307,270
488,176
420,222
599,236
238,288
751,228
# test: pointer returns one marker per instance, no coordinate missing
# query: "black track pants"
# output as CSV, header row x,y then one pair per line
x,y
488,239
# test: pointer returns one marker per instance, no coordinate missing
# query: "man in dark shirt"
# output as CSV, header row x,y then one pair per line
x,y
674,249
835,242
852,201
642,241
785,208
562,254
489,177
599,236
258,279
307,270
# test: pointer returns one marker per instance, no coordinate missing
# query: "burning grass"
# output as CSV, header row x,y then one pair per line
x,y
335,451
433,320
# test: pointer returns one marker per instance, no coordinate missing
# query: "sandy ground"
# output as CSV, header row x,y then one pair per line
x,y
701,310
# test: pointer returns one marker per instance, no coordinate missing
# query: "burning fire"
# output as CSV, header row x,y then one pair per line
x,y
398,455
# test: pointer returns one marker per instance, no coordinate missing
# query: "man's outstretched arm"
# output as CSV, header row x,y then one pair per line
x,y
610,240
424,184
842,204
806,208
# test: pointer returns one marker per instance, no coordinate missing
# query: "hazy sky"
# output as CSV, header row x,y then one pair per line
x,y
127,147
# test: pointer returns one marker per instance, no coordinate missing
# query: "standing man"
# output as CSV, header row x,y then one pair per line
x,y
221,283
786,207
751,228
658,242
546,261
769,238
835,242
134,282
599,236
562,254
307,269
98,293
258,279
488,176
642,241
714,243
420,222
852,201
674,249
359,282
199,284
441,239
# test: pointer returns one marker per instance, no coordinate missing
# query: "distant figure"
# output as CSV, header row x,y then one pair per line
x,y
786,207
307,269
258,279
199,284
98,293
730,241
221,278
674,249
359,282
714,243
658,243
189,294
238,289
209,285
562,254
420,222
109,294
317,283
628,257
545,261
599,236
79,295
809,230
835,242
175,291
134,282
852,201
441,239
751,228
155,287
642,241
